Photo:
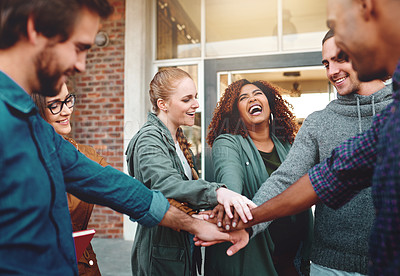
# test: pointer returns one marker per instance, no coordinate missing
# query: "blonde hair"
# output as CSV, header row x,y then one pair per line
x,y
185,147
162,86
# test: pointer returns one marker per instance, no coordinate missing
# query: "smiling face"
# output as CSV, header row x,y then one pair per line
x,y
338,69
253,106
182,104
359,34
60,121
58,60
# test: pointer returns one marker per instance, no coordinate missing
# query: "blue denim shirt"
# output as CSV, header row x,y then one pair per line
x,y
37,168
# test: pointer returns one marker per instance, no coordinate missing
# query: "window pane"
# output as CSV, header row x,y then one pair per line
x,y
307,90
240,27
303,24
190,69
178,28
193,135
223,84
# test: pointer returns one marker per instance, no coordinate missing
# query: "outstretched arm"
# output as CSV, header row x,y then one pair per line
x,y
242,204
204,231
298,197
295,199
228,165
177,219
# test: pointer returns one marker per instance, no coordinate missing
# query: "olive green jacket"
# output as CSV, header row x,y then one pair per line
x,y
152,159
238,163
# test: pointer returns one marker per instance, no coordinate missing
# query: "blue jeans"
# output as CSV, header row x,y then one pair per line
x,y
319,270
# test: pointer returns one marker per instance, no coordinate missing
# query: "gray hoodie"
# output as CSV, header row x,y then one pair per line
x,y
341,236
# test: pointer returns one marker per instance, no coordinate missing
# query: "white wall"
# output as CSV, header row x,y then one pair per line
x,y
138,71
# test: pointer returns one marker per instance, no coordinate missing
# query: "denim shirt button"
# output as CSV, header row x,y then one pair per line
x,y
247,163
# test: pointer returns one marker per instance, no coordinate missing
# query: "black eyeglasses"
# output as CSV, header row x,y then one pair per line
x,y
56,107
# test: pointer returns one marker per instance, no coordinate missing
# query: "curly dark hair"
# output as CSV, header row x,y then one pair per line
x,y
227,119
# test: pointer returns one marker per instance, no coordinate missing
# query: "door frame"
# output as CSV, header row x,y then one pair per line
x,y
213,66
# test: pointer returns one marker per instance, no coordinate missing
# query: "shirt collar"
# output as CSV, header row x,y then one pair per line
x,y
14,95
154,120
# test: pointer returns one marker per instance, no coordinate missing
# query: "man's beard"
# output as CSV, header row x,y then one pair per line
x,y
48,73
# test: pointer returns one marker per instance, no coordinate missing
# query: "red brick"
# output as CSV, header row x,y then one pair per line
x,y
96,119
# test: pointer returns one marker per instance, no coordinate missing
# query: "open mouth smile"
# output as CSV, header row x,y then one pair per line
x,y
63,122
255,109
340,81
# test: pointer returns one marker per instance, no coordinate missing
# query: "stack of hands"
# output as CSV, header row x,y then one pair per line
x,y
232,216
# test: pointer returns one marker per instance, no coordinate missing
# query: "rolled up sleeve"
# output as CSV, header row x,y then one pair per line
x,y
158,207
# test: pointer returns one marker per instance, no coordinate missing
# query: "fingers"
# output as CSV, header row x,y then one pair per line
x,y
216,210
205,244
206,212
227,207
235,248
239,209
239,240
246,211
200,216
227,217
199,242
235,220
212,220
220,217
250,203
227,221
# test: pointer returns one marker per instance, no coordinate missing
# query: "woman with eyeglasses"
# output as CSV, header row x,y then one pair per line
x,y
57,112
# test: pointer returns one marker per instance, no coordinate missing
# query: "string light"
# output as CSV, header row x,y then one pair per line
x,y
180,27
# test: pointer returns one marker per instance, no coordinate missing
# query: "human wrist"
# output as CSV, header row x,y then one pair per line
x,y
249,230
219,186
192,225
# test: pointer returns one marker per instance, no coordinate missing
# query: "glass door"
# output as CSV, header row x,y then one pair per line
x,y
306,88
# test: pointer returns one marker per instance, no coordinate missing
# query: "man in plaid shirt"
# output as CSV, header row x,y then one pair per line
x,y
369,31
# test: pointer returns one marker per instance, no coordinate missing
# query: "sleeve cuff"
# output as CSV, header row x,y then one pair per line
x,y
258,228
158,207
326,186
220,185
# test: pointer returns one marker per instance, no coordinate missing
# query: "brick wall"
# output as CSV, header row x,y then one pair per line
x,y
99,113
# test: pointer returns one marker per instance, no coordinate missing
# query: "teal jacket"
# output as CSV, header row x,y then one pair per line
x,y
153,160
238,164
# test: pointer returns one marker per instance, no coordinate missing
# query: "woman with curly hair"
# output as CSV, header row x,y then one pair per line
x,y
251,133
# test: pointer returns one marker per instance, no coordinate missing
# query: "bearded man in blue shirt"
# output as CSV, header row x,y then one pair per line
x,y
42,42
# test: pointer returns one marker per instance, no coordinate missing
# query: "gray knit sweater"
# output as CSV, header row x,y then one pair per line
x,y
341,236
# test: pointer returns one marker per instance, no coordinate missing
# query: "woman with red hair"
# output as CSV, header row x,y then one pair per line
x,y
250,134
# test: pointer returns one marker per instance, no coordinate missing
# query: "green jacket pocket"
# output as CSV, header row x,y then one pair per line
x,y
168,261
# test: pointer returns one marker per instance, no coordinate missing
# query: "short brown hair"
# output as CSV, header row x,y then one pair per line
x,y
328,35
52,18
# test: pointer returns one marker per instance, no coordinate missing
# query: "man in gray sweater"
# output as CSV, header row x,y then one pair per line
x,y
340,245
